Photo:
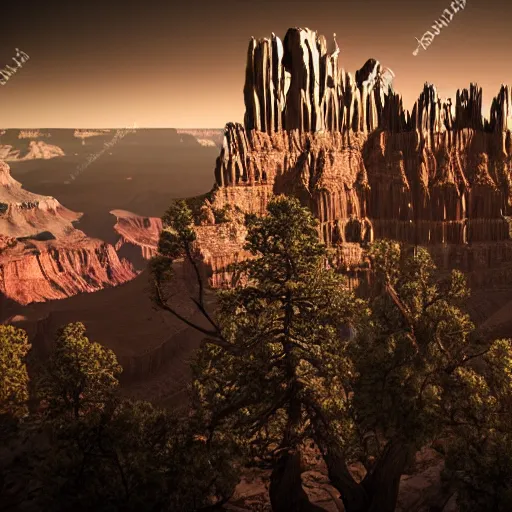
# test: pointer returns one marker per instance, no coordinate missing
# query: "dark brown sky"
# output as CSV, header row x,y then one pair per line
x,y
161,63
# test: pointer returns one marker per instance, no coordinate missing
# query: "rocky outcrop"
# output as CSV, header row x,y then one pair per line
x,y
206,137
24,214
42,255
32,134
438,176
296,85
207,143
37,271
84,134
217,246
36,150
137,231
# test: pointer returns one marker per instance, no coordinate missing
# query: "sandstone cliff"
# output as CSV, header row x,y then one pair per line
x,y
137,231
439,176
42,255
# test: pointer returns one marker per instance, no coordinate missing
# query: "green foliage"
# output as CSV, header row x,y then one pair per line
x,y
278,367
177,229
282,324
225,214
480,459
195,203
422,373
415,371
415,338
80,375
385,256
85,449
222,215
14,347
175,242
481,467
131,456
203,473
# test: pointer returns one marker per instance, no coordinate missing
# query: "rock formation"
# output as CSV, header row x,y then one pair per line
x,y
32,134
36,150
42,255
219,245
141,232
206,137
207,143
439,176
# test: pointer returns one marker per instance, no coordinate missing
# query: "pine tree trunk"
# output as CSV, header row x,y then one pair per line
x,y
383,483
286,492
378,492
353,495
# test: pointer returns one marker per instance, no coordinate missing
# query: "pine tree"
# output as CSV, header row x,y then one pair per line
x,y
277,367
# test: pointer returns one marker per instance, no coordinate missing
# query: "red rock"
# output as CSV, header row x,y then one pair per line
x,y
141,232
218,246
438,176
42,255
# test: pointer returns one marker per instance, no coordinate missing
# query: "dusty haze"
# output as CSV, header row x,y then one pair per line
x,y
181,64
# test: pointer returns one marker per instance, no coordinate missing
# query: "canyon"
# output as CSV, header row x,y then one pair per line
x,y
142,173
437,176
43,256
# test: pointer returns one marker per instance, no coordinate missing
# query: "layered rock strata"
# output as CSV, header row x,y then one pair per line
x,y
438,176
42,255
137,231
206,137
218,246
37,271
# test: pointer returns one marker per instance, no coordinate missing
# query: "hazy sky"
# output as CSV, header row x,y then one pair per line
x,y
181,64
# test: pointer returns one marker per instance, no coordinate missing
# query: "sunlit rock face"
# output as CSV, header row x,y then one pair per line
x,y
438,176
140,232
43,256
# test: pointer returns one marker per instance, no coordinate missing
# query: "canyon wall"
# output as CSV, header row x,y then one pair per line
x,y
43,256
438,176
38,271
139,232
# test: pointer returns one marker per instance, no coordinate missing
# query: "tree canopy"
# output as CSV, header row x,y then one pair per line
x,y
274,348
278,366
80,375
85,448
291,355
414,375
14,347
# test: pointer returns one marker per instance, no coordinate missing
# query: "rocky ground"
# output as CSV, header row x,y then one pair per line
x,y
420,491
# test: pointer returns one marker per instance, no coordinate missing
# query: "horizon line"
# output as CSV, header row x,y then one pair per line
x,y
106,128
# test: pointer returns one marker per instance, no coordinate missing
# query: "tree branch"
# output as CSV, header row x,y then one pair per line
x,y
400,305
193,262
163,304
